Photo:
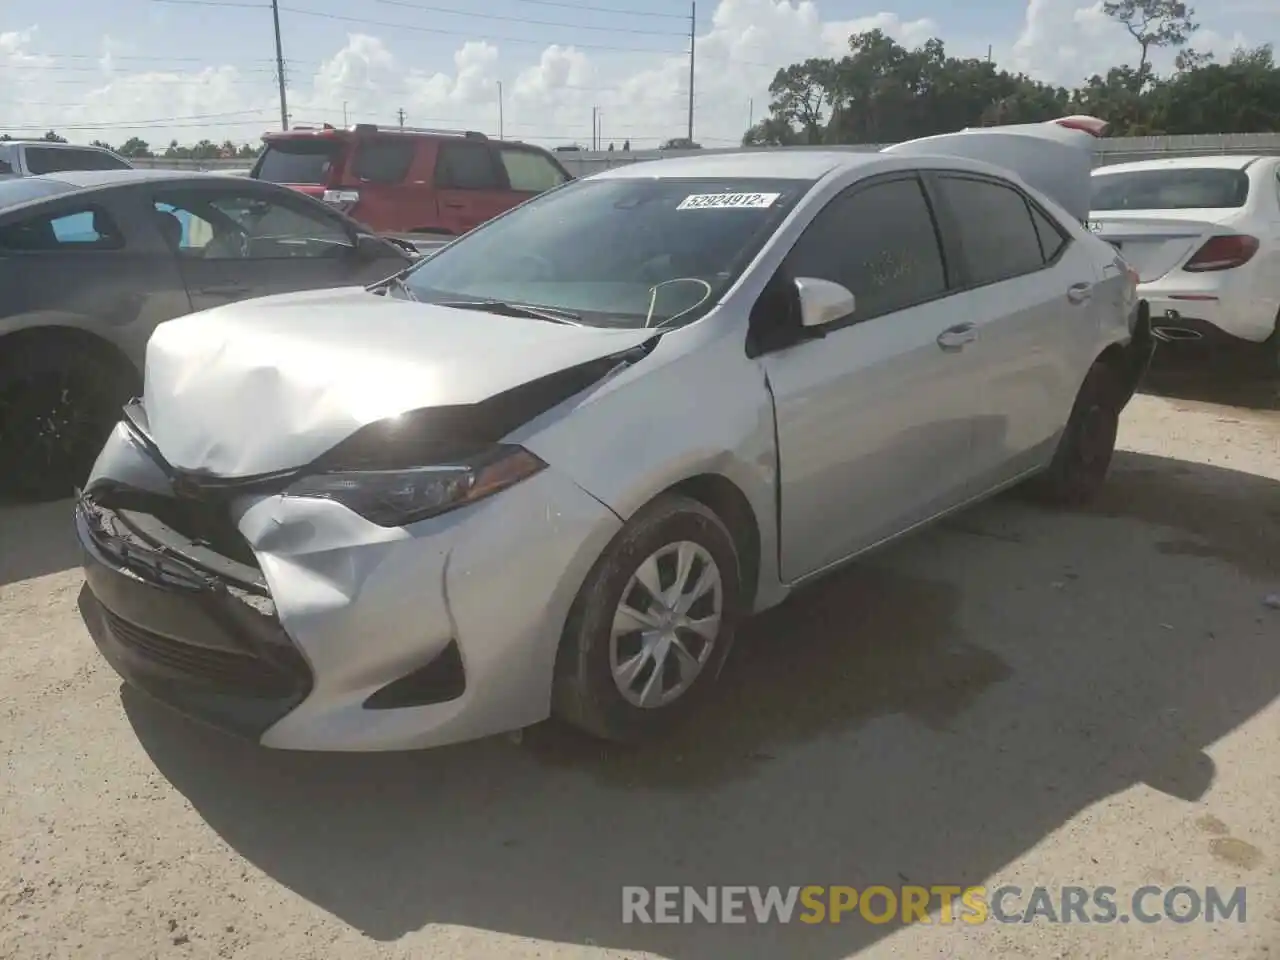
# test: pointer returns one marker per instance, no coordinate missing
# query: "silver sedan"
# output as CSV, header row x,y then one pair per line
x,y
550,468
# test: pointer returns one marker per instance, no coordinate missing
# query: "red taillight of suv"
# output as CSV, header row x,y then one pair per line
x,y
1223,253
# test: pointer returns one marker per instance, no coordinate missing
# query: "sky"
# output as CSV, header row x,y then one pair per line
x,y
526,69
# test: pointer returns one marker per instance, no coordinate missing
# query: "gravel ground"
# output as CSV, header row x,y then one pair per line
x,y
1017,696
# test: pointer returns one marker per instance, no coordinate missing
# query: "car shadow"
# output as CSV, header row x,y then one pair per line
x,y
926,716
1188,376
36,540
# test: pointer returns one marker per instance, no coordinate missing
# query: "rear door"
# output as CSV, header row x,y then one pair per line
x,y
238,242
470,185
1033,296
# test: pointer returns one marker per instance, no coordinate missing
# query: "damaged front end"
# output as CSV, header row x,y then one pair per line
x,y
176,602
348,603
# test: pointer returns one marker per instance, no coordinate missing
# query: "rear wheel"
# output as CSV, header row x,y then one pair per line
x,y
59,399
1080,464
652,623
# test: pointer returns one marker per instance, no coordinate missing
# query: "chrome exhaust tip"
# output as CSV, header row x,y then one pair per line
x,y
1170,334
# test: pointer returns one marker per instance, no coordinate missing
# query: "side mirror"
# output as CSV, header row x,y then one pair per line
x,y
369,247
822,301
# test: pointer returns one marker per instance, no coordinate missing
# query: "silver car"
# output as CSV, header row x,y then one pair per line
x,y
549,469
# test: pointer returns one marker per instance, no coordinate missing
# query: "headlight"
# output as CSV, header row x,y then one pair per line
x,y
394,498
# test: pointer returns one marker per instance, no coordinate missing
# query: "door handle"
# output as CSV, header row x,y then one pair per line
x,y
955,338
456,206
229,290
1079,292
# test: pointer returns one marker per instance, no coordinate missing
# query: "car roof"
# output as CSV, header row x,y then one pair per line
x,y
793,163
53,145
1218,162
88,179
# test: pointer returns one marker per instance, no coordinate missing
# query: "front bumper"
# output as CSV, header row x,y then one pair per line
x,y
440,632
181,634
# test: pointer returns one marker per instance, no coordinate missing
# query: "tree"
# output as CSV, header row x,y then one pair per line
x,y
1153,23
54,138
135,147
103,144
800,93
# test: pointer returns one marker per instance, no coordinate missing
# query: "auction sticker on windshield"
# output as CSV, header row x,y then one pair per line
x,y
719,201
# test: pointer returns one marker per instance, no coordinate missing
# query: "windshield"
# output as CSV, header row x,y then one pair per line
x,y
23,189
297,161
1189,188
626,252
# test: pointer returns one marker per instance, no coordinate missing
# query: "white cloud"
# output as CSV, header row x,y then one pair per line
x,y
1065,41
548,100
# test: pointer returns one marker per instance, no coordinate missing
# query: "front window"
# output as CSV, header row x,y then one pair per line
x,y
1188,188
626,252
298,160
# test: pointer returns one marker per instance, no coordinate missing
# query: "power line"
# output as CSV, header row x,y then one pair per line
x,y
509,19
593,9
133,124
451,33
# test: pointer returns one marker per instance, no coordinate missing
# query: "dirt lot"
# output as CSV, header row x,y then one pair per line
x,y
1016,697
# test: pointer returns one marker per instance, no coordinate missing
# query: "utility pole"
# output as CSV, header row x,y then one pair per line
x,y
594,111
751,113
400,114
344,113
988,53
284,100
500,137
693,34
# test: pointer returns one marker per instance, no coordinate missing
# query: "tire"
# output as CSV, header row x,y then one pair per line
x,y
59,399
586,694
1080,464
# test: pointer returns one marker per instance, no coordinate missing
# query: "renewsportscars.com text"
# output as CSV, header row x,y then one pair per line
x,y
935,904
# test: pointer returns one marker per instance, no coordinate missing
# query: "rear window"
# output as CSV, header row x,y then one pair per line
x,y
1185,189
298,161
54,160
24,189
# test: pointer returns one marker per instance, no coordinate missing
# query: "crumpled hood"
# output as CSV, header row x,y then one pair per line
x,y
270,384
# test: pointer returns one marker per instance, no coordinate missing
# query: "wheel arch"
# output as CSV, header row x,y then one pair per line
x,y
726,500
64,333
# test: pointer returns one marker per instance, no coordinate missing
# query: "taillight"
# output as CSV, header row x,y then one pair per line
x,y
342,199
1223,253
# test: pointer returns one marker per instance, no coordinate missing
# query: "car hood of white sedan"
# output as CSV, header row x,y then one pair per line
x,y
268,385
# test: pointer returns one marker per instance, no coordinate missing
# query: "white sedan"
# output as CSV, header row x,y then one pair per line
x,y
1204,235
549,469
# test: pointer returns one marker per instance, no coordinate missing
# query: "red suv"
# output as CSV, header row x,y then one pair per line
x,y
408,179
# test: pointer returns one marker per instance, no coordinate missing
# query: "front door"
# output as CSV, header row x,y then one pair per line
x,y
875,419
470,186
239,242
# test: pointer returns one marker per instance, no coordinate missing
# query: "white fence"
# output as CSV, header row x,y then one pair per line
x,y
1111,150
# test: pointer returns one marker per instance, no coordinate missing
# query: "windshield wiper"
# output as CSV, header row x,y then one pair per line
x,y
509,309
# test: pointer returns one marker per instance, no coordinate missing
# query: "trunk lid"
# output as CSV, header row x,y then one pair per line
x,y
1155,242
1057,160
268,385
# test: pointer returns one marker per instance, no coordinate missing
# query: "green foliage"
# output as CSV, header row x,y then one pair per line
x,y
882,92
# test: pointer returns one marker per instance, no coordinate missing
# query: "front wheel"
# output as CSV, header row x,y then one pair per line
x,y
652,623
59,400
